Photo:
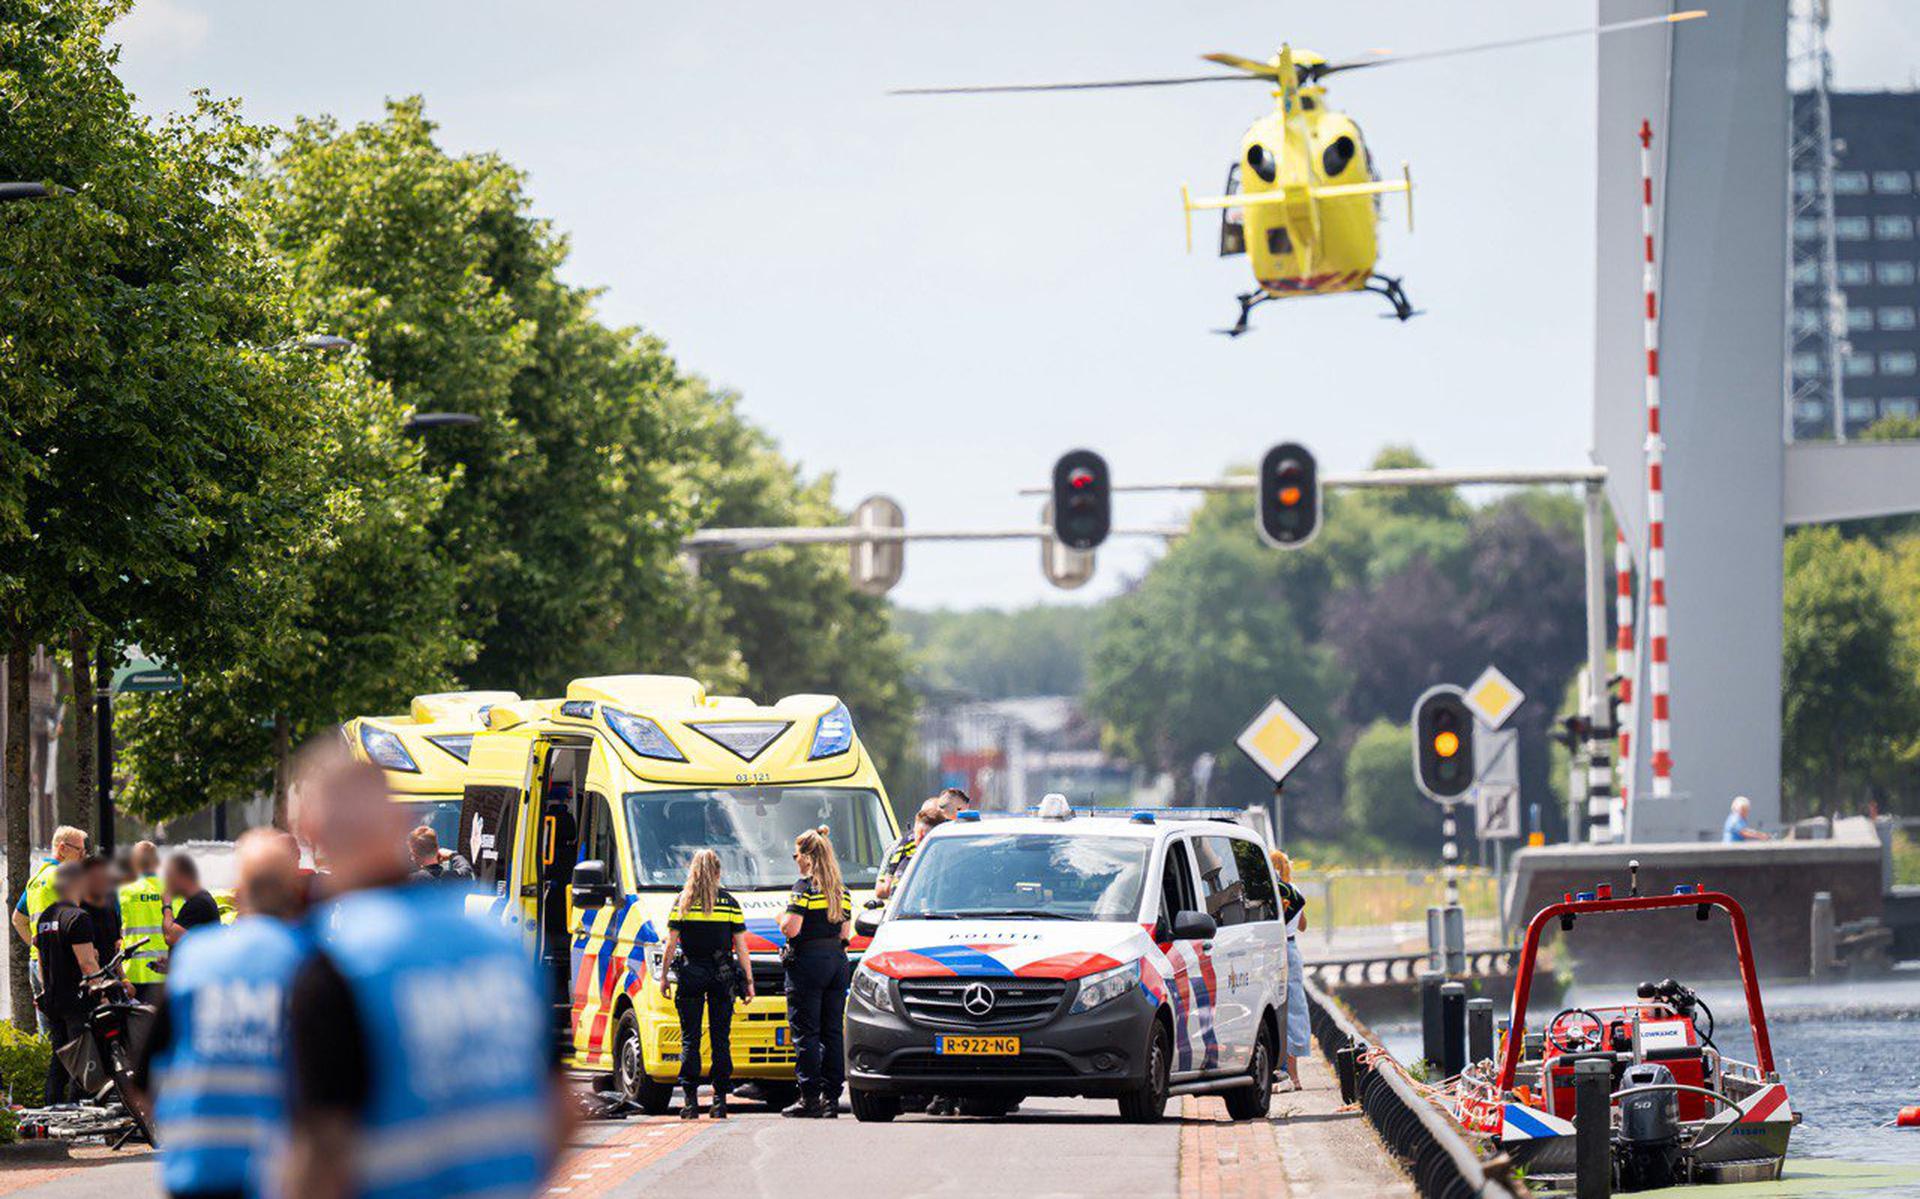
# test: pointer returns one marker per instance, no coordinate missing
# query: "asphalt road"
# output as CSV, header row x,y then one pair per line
x,y
1048,1148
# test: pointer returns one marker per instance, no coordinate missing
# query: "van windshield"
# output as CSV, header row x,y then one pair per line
x,y
752,829
1027,875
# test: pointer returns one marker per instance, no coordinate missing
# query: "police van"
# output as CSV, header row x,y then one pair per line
x,y
581,816
1131,956
424,753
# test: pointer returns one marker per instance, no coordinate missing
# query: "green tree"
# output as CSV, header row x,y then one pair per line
x,y
141,414
1182,661
1382,804
565,517
368,618
789,613
1850,701
987,653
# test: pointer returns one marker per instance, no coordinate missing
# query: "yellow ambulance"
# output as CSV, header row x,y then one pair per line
x,y
581,817
424,753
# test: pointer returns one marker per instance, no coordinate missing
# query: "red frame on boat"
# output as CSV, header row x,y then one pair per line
x,y
1523,982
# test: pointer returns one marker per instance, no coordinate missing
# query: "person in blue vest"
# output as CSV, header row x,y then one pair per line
x,y
424,1060
216,1059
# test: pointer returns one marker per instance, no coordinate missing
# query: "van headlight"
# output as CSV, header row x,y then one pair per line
x,y
871,986
1105,987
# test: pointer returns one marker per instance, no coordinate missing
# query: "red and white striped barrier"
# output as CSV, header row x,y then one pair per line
x,y
1659,731
1624,666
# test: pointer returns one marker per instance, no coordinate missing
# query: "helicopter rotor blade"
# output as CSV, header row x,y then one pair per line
x,y
1356,64
1241,62
1097,85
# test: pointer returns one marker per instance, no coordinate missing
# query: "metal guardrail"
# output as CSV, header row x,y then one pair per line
x,y
1404,968
1443,1164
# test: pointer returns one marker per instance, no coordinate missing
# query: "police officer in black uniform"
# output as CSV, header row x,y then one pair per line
x,y
817,923
709,932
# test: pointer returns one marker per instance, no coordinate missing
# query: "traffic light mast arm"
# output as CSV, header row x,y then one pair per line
x,y
751,538
1363,479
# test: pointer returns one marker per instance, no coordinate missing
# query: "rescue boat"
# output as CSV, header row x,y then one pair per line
x,y
1680,1111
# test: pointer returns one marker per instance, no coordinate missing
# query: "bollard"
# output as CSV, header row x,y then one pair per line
x,y
1453,1029
1430,1034
1343,1068
1436,942
1454,932
1479,1030
1821,940
1593,1128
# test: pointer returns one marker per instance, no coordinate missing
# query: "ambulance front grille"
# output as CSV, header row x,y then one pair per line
x,y
1017,1002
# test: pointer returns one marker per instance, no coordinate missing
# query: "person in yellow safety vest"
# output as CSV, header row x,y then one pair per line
x,y
69,845
143,909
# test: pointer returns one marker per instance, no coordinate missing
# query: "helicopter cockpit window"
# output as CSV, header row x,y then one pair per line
x,y
1337,155
1233,229
1261,160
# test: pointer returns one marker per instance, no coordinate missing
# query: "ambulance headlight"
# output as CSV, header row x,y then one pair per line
x,y
657,963
1103,988
385,750
833,735
872,987
642,735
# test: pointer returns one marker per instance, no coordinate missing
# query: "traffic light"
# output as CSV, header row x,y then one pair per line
x,y
1443,744
1289,507
1082,500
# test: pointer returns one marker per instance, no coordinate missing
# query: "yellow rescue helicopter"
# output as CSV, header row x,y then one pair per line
x,y
1302,200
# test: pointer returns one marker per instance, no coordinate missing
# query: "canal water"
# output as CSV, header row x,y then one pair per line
x,y
1849,1054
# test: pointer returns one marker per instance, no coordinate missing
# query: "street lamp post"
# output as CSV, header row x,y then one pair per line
x,y
427,422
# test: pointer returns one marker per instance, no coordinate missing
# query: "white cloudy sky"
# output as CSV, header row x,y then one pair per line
x,y
932,298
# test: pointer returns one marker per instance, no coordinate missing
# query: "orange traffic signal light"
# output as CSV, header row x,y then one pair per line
x,y
1289,499
1443,727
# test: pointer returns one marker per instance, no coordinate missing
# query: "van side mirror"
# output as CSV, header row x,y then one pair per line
x,y
867,922
1194,926
591,886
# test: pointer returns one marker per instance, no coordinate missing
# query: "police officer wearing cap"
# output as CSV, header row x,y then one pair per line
x,y
216,1059
422,1040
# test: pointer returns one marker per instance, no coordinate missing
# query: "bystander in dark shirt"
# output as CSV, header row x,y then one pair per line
x,y
61,926
197,909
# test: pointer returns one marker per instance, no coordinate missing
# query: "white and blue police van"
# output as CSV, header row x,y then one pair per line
x,y
1125,955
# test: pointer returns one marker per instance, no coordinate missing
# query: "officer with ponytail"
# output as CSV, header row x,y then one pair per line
x,y
817,923
707,949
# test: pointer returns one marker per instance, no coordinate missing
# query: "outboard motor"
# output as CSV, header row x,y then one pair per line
x,y
1647,1150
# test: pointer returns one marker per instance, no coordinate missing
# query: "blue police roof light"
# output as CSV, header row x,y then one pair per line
x,y
969,815
1141,817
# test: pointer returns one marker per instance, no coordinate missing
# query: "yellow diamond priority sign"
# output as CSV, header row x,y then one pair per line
x,y
1277,740
1493,697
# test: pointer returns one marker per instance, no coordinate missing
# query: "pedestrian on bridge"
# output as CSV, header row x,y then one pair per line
x,y
1293,908
1739,827
708,931
817,923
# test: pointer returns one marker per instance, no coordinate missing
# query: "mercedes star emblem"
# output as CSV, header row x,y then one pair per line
x,y
977,999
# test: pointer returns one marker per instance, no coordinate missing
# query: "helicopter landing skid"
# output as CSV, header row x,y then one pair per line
x,y
1248,302
1381,285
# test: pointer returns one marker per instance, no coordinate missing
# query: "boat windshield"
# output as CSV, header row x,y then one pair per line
x,y
752,829
1026,875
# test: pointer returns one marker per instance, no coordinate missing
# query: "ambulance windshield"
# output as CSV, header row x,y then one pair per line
x,y
1026,875
752,829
